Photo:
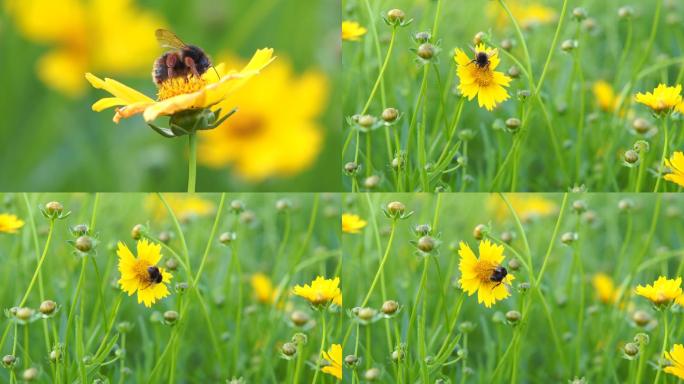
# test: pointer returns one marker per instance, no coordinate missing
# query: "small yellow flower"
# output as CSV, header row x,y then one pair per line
x,y
676,359
527,15
321,292
663,292
275,132
10,223
334,359
605,96
676,166
352,31
352,223
263,288
137,273
605,288
482,80
476,274
184,206
663,99
177,95
527,208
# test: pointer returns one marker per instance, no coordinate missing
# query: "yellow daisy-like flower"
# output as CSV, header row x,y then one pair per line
x,y
605,96
334,359
663,99
663,292
480,79
477,274
676,166
274,133
676,359
138,273
605,288
263,288
352,223
184,206
527,15
178,94
10,223
100,35
527,208
352,31
321,292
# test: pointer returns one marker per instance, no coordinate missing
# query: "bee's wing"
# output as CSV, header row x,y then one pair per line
x,y
168,39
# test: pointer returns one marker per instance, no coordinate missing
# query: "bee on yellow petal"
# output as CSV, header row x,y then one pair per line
x,y
140,274
663,292
663,99
478,77
333,357
676,167
352,223
10,223
352,31
321,292
485,275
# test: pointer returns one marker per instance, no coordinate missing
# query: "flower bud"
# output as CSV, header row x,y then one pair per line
x,y
351,360
479,231
9,360
626,12
507,237
24,314
237,206
124,327
625,205
390,115
641,125
165,237
371,182
426,244
507,44
47,307
55,355
395,16
479,38
397,355
171,264
579,13
54,208
513,316
466,327
30,374
390,307
513,264
227,237
283,205
84,244
395,208
569,45
569,237
366,121
641,318
589,25
579,206
423,37
366,314
372,374
514,72
289,349
631,156
350,168
631,349
136,232
466,135
247,217
423,229
80,230
170,317
426,51
299,318
513,124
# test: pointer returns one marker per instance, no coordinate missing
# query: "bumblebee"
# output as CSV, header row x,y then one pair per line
x,y
481,60
154,276
184,59
498,275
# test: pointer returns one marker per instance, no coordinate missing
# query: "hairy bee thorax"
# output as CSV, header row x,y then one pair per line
x,y
179,86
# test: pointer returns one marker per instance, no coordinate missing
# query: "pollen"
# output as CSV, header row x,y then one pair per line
x,y
176,86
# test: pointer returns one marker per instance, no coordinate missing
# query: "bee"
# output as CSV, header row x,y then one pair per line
x,y
498,275
182,61
154,276
481,59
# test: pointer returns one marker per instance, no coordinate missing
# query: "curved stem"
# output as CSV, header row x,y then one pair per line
x,y
40,264
382,72
192,163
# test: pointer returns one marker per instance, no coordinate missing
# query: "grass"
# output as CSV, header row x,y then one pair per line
x,y
562,330
564,140
221,332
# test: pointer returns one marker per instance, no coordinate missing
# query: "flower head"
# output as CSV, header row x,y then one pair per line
x,y
263,288
274,133
178,94
676,359
676,166
185,207
334,359
478,77
605,288
352,223
352,31
663,99
527,14
478,274
605,96
663,292
321,292
527,208
10,223
141,273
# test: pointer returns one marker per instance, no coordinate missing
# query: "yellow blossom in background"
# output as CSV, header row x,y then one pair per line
x,y
663,99
663,291
676,166
112,36
322,291
334,359
482,81
275,132
476,274
527,208
352,223
263,288
527,14
178,94
676,359
184,206
136,272
605,96
605,288
352,31
10,223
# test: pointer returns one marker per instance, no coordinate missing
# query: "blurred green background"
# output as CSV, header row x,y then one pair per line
x,y
52,140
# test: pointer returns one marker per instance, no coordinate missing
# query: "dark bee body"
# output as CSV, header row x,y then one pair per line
x,y
498,275
482,61
183,61
155,275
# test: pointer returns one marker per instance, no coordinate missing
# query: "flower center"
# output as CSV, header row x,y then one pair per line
x,y
245,126
141,272
484,270
483,76
179,86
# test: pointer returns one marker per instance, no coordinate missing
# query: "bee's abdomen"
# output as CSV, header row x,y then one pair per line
x,y
159,70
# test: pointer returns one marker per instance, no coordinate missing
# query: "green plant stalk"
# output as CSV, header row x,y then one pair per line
x,y
382,264
666,144
664,347
580,121
40,264
70,316
416,303
414,120
422,147
192,163
321,349
421,329
122,359
580,314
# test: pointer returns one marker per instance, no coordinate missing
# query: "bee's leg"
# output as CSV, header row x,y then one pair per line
x,y
171,61
190,63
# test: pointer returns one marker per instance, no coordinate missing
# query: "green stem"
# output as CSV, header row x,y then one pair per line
x,y
664,155
192,164
40,264
321,349
381,266
122,362
382,71
664,348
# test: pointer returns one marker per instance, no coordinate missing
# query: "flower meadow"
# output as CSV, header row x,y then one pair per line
x,y
136,288
479,288
513,95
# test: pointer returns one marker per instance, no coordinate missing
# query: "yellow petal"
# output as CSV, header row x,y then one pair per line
x,y
125,93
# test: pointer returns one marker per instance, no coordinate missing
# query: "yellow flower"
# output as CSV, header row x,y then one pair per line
x,y
321,292
527,208
263,288
676,359
137,274
476,274
352,31
663,99
101,35
605,288
482,80
527,15
676,166
605,96
178,94
10,223
663,291
352,223
334,359
275,132
184,206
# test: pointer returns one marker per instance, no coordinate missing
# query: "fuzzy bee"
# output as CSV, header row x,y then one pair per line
x,y
184,60
154,276
498,275
481,59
